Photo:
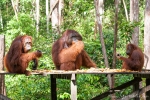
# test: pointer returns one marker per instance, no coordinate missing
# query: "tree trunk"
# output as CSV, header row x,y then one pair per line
x,y
37,17
47,15
101,11
15,5
115,43
55,14
134,17
147,32
126,11
115,33
2,77
147,35
1,20
99,23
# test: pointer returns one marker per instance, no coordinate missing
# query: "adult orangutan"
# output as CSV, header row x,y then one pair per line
x,y
135,61
18,56
68,52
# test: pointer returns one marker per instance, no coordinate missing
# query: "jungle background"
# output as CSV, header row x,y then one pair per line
x,y
80,16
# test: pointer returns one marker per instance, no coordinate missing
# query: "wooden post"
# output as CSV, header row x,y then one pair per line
x,y
136,87
2,77
148,92
73,87
53,88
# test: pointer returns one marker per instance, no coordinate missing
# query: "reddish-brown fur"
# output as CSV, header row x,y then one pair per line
x,y
71,57
135,61
18,57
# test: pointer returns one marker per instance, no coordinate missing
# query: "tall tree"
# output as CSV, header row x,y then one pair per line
x,y
56,7
1,20
2,77
37,16
147,33
115,43
98,5
134,17
126,11
47,15
15,4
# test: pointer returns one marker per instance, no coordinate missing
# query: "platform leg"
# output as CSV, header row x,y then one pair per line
x,y
73,87
53,88
136,87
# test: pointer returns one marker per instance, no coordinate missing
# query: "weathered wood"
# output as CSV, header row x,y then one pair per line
x,y
73,87
53,88
86,71
142,75
136,94
103,95
2,77
90,71
2,97
148,92
62,76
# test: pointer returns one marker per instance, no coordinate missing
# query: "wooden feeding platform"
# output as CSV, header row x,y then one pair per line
x,y
71,75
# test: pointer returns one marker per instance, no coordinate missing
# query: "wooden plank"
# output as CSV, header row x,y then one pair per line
x,y
84,71
103,95
73,87
53,88
142,75
91,71
136,93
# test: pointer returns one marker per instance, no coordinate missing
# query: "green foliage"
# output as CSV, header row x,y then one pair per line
x,y
78,15
20,87
126,29
20,26
90,86
64,96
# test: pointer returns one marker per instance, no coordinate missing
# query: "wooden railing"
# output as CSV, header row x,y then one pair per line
x,y
71,75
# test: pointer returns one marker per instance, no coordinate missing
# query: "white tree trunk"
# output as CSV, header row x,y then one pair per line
x,y
55,12
126,11
37,16
1,20
15,5
2,77
101,9
147,34
134,17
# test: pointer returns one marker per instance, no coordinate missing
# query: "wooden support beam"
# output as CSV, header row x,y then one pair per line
x,y
53,88
62,76
136,93
119,88
147,92
73,87
136,88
